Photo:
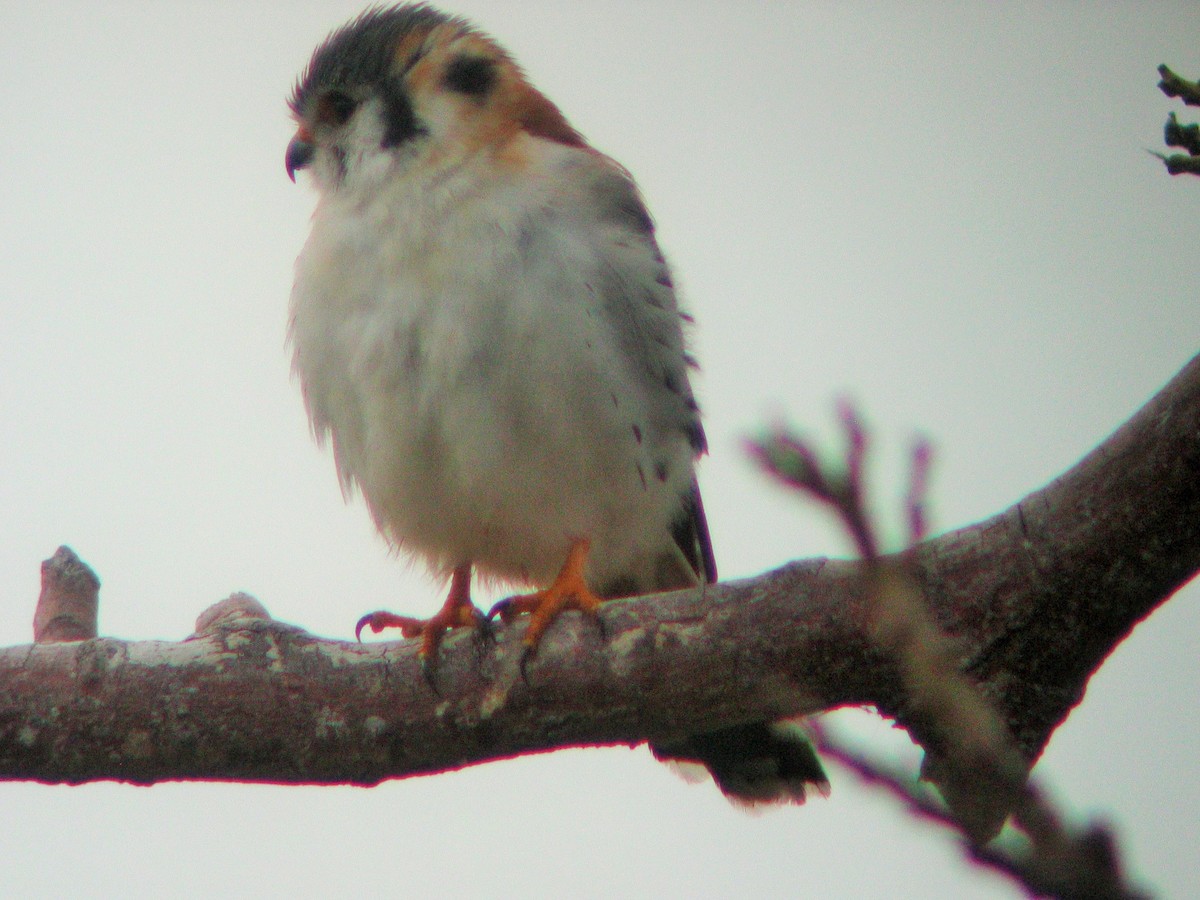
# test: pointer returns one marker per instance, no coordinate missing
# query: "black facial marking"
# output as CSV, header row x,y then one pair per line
x,y
400,121
335,108
474,76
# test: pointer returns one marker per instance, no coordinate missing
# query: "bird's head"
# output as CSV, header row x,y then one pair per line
x,y
408,86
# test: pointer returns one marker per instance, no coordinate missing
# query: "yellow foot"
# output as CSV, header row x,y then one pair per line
x,y
457,612
569,591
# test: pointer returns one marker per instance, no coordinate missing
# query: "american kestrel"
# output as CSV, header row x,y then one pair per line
x,y
486,331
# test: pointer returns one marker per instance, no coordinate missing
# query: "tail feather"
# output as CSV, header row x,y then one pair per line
x,y
760,762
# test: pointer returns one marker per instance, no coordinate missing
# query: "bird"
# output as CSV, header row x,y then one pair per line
x,y
485,330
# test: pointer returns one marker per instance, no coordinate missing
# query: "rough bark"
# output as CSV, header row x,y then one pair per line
x,y
1034,599
68,604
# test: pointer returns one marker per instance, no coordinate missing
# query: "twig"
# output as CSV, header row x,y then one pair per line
x,y
1185,136
1052,863
1174,86
1175,134
970,754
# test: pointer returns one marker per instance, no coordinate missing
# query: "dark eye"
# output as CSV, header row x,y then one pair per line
x,y
471,75
335,108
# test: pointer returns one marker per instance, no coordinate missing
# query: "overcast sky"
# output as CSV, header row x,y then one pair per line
x,y
944,211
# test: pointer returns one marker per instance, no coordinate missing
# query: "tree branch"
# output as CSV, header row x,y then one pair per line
x,y
1032,600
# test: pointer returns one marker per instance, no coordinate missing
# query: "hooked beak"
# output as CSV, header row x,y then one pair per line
x,y
299,153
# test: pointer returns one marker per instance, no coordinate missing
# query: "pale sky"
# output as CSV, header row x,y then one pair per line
x,y
944,211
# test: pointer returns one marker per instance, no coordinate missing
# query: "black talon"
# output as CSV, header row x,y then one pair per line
x,y
500,607
363,623
527,653
429,672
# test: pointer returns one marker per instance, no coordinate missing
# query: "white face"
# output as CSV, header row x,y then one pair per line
x,y
380,100
438,97
352,157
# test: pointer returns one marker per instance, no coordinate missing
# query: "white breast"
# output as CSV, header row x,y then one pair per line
x,y
456,341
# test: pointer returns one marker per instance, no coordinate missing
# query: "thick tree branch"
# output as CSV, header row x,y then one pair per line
x,y
1033,600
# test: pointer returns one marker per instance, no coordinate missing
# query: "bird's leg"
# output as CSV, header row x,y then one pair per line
x,y
457,612
569,591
